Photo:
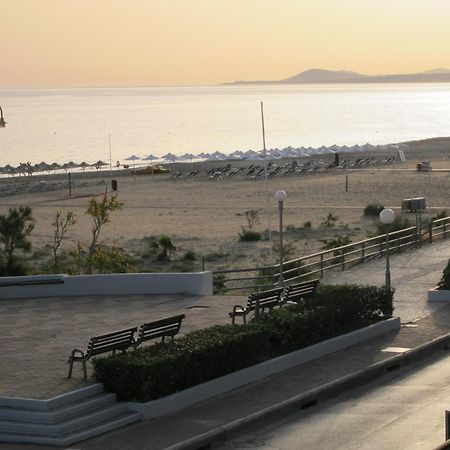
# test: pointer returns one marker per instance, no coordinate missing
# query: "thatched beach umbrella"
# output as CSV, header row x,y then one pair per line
x,y
132,158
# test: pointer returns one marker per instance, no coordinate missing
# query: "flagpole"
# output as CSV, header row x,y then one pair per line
x,y
266,181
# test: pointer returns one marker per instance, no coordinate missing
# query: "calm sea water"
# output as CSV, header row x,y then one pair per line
x,y
74,124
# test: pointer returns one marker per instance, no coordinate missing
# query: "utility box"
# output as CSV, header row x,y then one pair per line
x,y
424,166
417,204
114,185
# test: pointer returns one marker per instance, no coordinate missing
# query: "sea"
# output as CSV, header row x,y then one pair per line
x,y
90,124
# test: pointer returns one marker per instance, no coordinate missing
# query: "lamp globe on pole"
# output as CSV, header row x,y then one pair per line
x,y
280,197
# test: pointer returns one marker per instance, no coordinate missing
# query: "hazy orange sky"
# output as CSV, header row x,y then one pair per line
x,y
165,42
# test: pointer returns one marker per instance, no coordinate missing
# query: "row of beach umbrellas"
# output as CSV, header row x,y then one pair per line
x,y
28,168
288,152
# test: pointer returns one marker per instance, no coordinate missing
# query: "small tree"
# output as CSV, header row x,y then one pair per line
x,y
14,229
100,211
330,220
248,234
63,220
166,247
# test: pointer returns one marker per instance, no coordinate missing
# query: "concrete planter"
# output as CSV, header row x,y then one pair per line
x,y
204,391
438,295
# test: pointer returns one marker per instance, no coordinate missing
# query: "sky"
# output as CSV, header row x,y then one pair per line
x,y
58,43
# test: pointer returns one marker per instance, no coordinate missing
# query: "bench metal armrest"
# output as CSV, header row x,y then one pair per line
x,y
236,307
72,354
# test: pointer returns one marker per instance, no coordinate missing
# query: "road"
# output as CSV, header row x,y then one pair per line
x,y
403,410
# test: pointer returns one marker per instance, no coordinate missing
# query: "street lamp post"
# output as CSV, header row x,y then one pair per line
x,y
387,216
2,120
280,197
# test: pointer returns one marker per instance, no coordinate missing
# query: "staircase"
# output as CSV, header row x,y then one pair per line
x,y
63,420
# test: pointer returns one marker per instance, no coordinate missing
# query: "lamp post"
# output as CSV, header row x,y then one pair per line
x,y
280,197
387,216
2,120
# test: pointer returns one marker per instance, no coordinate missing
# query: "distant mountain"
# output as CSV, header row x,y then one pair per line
x,y
320,76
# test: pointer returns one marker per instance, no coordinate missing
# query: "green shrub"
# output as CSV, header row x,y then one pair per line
x,y
330,220
373,209
307,224
444,283
249,236
399,223
440,215
165,368
337,241
189,255
219,280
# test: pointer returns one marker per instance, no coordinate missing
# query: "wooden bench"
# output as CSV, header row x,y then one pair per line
x,y
295,293
257,303
163,328
119,340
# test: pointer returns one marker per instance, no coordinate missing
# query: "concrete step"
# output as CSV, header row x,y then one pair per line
x,y
66,426
71,438
58,414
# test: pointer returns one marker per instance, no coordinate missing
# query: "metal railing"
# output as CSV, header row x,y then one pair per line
x,y
343,257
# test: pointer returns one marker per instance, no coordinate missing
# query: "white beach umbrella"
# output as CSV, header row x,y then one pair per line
x,y
170,157
132,158
150,158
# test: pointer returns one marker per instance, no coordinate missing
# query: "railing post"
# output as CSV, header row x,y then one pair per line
x,y
431,232
444,231
363,247
321,265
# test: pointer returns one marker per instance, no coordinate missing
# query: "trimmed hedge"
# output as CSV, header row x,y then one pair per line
x,y
202,355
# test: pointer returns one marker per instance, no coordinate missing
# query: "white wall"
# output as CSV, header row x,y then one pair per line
x,y
199,283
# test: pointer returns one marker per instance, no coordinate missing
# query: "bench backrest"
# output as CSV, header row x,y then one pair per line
x,y
167,327
295,292
266,299
119,340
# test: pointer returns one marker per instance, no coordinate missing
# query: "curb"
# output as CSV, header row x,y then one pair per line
x,y
313,396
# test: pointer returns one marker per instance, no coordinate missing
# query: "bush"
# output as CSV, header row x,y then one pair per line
x,y
373,209
444,283
249,236
399,223
440,215
330,220
165,368
219,280
307,224
189,255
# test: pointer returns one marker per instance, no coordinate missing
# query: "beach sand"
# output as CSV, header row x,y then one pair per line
x,y
205,215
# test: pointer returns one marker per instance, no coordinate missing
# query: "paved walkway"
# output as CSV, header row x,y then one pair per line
x,y
412,274
38,334
226,415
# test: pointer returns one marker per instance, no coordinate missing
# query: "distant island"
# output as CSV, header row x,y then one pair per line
x,y
322,76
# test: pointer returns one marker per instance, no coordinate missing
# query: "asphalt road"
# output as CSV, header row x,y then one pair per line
x,y
403,410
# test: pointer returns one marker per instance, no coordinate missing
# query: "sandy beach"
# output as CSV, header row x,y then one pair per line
x,y
205,214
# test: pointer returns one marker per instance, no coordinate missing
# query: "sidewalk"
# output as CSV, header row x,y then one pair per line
x,y
216,419
425,330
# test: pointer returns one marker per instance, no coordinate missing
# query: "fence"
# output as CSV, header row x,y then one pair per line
x,y
313,266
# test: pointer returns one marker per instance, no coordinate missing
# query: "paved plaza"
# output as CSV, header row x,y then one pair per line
x,y
40,333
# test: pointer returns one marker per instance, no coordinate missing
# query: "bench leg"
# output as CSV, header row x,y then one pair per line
x,y
233,319
70,369
84,370
245,319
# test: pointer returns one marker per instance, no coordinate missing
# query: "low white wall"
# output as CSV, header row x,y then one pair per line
x,y
204,391
199,283
438,295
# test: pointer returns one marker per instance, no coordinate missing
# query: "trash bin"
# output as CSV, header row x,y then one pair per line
x,y
114,185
